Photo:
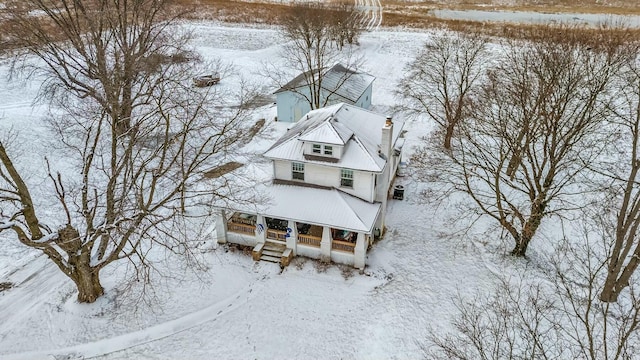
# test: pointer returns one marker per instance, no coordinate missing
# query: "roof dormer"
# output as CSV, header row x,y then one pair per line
x,y
322,151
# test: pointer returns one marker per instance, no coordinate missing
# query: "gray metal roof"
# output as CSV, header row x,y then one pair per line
x,y
338,80
326,125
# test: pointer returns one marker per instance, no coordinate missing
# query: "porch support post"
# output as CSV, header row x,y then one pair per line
x,y
261,229
360,252
383,213
292,238
325,244
221,227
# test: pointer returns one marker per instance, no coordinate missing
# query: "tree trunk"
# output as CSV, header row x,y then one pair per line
x,y
609,292
530,227
617,279
86,277
87,280
448,136
520,250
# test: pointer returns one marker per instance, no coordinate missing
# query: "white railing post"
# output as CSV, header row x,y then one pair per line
x,y
325,244
221,227
292,236
261,229
360,252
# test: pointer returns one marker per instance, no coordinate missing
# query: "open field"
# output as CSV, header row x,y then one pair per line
x,y
410,14
413,14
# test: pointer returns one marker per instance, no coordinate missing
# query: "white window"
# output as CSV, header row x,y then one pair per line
x,y
317,148
297,171
346,178
328,150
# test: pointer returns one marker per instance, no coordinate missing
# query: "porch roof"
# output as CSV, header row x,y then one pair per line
x,y
328,207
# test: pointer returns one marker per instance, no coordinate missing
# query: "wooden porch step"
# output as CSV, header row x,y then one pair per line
x,y
269,258
272,252
274,246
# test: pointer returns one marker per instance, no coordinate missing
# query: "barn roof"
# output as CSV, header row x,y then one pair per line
x,y
346,83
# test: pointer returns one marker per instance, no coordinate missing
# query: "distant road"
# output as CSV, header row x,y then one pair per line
x,y
372,13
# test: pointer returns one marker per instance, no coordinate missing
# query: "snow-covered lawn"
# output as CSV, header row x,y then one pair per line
x,y
239,309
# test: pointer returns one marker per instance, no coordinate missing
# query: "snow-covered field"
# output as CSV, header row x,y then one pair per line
x,y
239,309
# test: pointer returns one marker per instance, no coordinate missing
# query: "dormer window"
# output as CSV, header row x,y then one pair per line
x,y
322,152
320,149
328,150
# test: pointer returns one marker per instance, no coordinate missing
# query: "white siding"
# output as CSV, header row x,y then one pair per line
x,y
241,239
282,170
342,257
308,251
292,105
329,176
383,184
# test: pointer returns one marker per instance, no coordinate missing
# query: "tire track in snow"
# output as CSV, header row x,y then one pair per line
x,y
34,283
372,13
16,105
149,334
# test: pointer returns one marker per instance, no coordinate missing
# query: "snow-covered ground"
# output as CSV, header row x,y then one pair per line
x,y
239,309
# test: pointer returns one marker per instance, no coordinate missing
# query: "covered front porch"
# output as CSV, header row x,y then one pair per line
x,y
326,243
317,223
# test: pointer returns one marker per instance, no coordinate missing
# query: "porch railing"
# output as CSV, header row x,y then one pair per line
x,y
243,219
276,235
309,240
241,228
343,246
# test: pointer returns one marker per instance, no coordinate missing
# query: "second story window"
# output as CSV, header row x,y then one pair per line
x,y
328,150
297,171
317,148
346,178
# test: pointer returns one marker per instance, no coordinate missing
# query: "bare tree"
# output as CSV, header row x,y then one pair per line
x,y
536,122
347,23
444,78
139,134
554,314
315,36
619,218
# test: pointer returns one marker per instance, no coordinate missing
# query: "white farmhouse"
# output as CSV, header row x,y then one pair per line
x,y
331,177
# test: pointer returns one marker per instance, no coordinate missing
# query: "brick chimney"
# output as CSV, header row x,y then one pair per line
x,y
386,145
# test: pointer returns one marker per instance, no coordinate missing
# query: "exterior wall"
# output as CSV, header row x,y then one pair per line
x,y
282,170
330,177
341,257
291,106
386,178
383,184
284,105
236,238
365,99
308,251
